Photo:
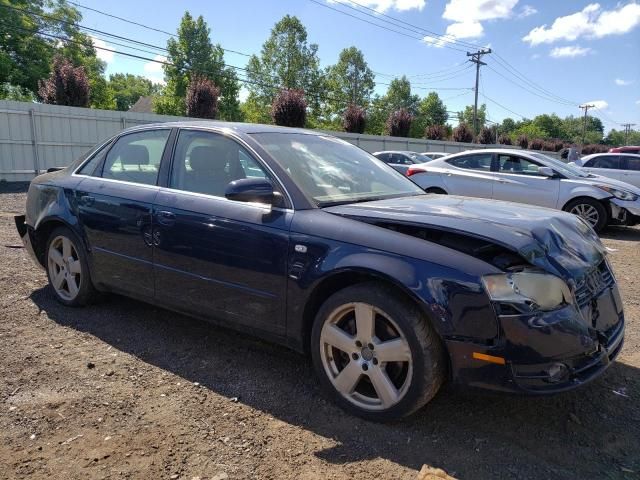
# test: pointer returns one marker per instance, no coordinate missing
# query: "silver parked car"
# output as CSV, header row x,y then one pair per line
x,y
620,166
401,160
534,179
435,155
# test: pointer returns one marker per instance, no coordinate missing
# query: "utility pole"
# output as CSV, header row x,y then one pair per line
x,y
627,131
475,58
586,108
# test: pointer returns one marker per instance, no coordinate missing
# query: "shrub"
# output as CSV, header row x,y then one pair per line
x,y
462,133
548,146
522,141
536,144
289,108
436,132
486,136
399,123
354,119
594,148
67,85
202,98
558,145
504,140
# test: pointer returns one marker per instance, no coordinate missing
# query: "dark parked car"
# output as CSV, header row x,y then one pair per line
x,y
307,240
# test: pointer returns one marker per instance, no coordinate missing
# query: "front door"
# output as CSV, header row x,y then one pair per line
x,y
114,206
518,180
213,256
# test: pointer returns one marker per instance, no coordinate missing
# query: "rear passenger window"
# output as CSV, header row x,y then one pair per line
x,y
605,161
633,163
206,162
481,161
136,157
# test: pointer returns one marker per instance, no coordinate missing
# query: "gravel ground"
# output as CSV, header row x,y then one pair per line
x,y
125,390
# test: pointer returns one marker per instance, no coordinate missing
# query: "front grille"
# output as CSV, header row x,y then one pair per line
x,y
593,283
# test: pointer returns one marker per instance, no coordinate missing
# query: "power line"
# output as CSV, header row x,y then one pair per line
x,y
502,106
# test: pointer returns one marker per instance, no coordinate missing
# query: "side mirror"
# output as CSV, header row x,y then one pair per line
x,y
546,171
259,190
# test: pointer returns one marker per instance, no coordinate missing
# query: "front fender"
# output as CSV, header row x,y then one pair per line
x,y
454,301
586,191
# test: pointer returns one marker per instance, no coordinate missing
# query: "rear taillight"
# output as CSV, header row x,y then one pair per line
x,y
413,170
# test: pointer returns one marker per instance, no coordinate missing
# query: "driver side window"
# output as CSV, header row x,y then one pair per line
x,y
517,165
206,162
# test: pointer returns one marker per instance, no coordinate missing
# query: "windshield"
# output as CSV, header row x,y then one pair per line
x,y
563,168
331,171
419,158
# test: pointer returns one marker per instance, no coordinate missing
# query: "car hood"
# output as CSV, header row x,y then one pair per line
x,y
610,182
555,241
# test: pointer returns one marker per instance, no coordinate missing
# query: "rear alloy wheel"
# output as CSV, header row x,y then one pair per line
x,y
375,353
591,211
67,268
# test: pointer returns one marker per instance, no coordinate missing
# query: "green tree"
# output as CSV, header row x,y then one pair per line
x,y
350,81
466,116
193,55
15,92
399,96
26,52
551,125
126,89
431,111
286,61
508,125
617,138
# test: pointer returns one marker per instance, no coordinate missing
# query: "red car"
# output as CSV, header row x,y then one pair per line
x,y
629,149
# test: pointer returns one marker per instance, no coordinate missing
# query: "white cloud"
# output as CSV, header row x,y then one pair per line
x,y
465,30
153,70
623,83
569,51
591,22
103,55
535,56
382,6
527,11
462,11
599,104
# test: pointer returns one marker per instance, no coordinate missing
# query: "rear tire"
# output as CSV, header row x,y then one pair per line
x,y
591,211
435,190
68,269
375,353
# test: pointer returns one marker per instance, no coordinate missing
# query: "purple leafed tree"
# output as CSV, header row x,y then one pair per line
x,y
202,98
354,119
399,123
462,133
289,108
67,85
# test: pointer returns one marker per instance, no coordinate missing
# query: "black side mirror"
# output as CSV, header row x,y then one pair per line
x,y
259,190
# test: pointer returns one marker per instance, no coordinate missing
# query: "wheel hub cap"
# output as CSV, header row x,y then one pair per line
x,y
366,354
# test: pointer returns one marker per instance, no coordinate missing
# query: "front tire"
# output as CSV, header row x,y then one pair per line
x,y
375,353
591,211
68,270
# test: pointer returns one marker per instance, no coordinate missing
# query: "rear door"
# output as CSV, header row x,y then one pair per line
x,y
213,256
114,206
606,165
631,172
470,175
517,180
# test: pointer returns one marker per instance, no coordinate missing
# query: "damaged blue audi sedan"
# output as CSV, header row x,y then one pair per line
x,y
309,241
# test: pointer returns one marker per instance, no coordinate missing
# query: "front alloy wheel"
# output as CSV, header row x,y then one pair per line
x,y
375,353
591,211
365,356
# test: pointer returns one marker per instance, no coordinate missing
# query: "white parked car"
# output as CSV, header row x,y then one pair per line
x,y
532,178
621,166
401,160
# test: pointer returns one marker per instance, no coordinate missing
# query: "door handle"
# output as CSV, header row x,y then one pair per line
x,y
166,218
87,200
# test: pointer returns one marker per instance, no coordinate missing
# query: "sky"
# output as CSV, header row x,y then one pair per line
x,y
547,56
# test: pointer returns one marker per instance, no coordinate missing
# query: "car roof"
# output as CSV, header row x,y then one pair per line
x,y
234,126
397,151
618,154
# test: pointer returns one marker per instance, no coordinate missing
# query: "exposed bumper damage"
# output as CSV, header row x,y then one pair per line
x,y
624,212
549,352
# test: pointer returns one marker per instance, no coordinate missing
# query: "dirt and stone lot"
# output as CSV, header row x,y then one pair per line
x,y
125,390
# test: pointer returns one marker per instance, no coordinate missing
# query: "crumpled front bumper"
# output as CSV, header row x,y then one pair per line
x,y
582,341
26,235
622,209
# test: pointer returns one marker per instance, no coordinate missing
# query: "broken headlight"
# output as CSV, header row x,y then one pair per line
x,y
539,291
